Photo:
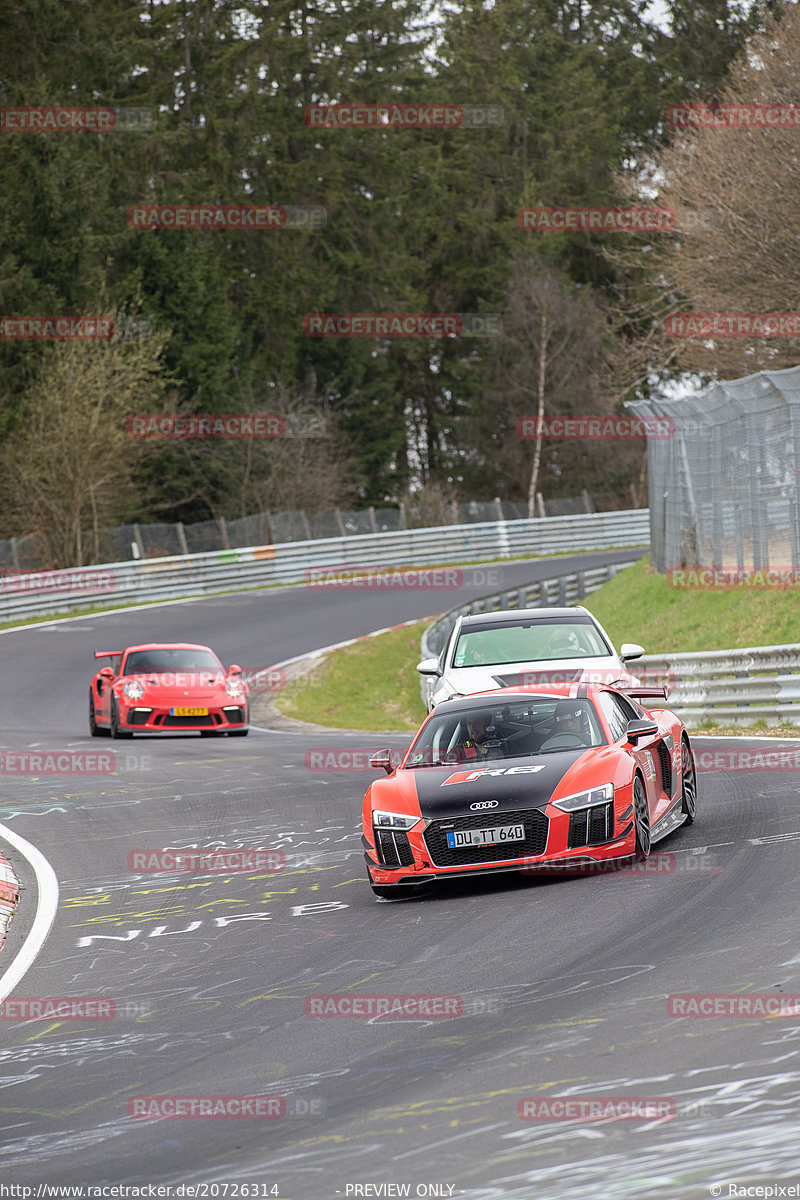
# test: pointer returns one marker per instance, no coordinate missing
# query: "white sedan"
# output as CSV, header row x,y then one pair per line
x,y
525,646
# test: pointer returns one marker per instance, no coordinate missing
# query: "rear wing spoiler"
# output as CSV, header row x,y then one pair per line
x,y
107,653
643,693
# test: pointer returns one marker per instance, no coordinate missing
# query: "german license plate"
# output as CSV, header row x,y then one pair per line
x,y
485,837
188,712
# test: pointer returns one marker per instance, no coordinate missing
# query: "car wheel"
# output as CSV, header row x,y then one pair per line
x,y
94,729
238,732
641,821
689,796
116,732
388,891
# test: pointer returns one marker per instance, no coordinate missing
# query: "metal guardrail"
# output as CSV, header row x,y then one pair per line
x,y
137,582
559,592
729,687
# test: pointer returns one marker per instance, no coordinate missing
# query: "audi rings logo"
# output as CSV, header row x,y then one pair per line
x,y
486,804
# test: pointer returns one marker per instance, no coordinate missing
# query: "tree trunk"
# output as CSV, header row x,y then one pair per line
x,y
537,452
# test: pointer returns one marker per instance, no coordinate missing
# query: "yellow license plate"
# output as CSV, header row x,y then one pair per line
x,y
188,712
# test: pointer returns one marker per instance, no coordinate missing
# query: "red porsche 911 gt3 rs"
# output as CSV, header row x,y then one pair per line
x,y
163,687
565,778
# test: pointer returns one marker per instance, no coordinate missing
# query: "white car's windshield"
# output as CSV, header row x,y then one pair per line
x,y
535,641
536,725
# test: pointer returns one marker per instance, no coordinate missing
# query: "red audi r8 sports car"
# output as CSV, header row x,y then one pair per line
x,y
573,777
161,687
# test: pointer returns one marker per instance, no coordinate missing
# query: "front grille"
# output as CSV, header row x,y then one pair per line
x,y
591,826
394,849
536,825
178,722
139,716
234,715
665,759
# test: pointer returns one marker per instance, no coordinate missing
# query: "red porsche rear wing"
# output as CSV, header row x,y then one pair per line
x,y
107,653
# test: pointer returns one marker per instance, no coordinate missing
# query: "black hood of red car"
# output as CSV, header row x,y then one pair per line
x,y
515,783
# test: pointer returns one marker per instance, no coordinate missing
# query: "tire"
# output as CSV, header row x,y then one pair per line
x,y
388,892
94,729
116,732
238,732
641,821
689,791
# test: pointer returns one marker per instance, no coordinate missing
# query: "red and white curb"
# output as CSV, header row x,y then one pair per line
x,y
9,896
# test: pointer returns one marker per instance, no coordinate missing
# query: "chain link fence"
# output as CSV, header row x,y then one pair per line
x,y
723,486
130,542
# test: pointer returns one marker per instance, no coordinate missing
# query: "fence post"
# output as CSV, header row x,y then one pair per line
x,y
223,529
372,521
540,504
182,538
340,523
138,539
14,554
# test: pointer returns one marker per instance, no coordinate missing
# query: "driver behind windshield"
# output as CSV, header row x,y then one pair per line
x,y
479,738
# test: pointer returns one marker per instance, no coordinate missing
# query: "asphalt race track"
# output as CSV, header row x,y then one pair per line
x,y
563,984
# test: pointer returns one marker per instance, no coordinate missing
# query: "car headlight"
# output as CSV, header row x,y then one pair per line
x,y
233,686
389,820
598,795
133,690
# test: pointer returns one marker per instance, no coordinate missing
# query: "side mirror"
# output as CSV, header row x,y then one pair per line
x,y
629,651
106,673
429,666
234,669
383,758
640,729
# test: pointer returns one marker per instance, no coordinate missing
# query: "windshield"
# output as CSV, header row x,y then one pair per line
x,y
140,662
533,641
536,725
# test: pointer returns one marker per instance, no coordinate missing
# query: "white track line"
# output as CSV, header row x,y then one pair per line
x,y
46,908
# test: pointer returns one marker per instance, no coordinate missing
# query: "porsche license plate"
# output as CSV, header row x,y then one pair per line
x,y
485,837
188,712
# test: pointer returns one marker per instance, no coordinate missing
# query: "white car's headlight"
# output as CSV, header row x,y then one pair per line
x,y
233,686
598,795
389,820
133,690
